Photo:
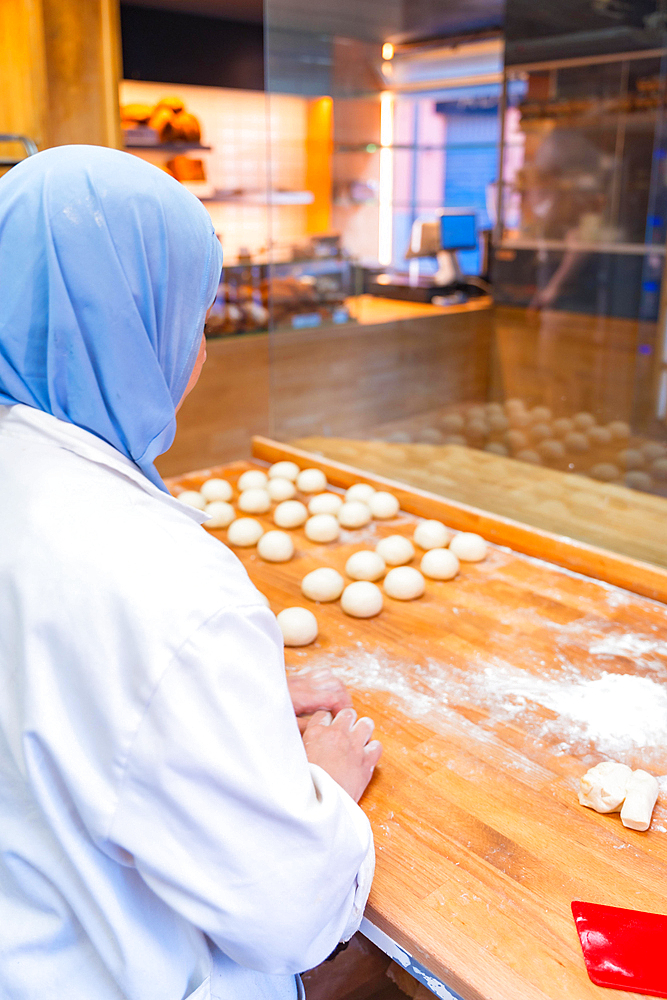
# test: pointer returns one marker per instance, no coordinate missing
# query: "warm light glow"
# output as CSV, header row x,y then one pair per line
x,y
386,185
387,51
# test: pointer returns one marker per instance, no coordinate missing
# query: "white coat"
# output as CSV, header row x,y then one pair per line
x,y
162,834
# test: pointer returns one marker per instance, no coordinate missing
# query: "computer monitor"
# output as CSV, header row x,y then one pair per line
x,y
458,231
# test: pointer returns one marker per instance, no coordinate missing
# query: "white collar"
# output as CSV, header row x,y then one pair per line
x,y
20,417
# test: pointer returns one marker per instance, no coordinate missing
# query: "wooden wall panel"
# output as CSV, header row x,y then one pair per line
x,y
22,72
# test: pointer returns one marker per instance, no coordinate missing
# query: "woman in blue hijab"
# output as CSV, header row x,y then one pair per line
x,y
165,832
108,266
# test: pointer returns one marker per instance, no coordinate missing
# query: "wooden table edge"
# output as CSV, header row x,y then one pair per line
x,y
589,560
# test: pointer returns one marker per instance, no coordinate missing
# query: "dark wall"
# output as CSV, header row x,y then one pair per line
x,y
170,47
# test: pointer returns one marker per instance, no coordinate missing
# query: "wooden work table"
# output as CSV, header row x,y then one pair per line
x,y
481,844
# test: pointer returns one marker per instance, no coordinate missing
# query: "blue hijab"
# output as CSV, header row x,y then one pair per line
x,y
107,268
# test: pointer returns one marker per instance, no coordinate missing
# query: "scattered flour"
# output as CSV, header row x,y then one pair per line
x,y
628,644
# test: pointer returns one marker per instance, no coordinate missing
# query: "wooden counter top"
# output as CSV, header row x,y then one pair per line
x,y
370,309
481,844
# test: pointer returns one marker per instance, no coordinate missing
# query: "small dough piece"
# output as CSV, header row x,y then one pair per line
x,y
605,786
468,547
253,479
298,626
576,441
638,480
254,501
562,426
528,455
551,450
599,435
322,528
496,448
439,564
244,532
354,514
383,505
404,583
540,432
217,489
516,440
396,550
365,565
193,498
606,472
498,422
280,489
640,801
275,546
290,514
432,535
222,514
360,491
540,414
452,423
659,468
311,481
652,450
323,584
620,431
362,599
584,421
631,458
284,470
325,503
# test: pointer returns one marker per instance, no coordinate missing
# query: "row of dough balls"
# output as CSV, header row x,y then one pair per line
x,y
363,598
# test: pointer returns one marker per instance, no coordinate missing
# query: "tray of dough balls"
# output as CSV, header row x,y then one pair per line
x,y
353,551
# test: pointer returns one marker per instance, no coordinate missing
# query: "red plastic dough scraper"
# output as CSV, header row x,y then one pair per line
x,y
623,949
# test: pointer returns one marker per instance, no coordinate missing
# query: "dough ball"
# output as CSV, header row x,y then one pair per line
x,y
439,564
550,450
216,489
540,414
620,431
323,584
493,408
222,514
325,503
361,599
263,599
244,532
518,418
561,427
516,440
284,470
360,491
477,430
528,455
354,514
398,437
584,421
311,481
512,405
365,565
280,489
652,450
454,439
468,547
640,800
429,435
275,546
659,468
452,423
404,583
600,436
383,506
606,472
432,535
193,498
495,448
540,432
322,528
498,422
631,458
476,412
254,501
252,480
605,786
638,480
290,514
396,550
298,626
575,441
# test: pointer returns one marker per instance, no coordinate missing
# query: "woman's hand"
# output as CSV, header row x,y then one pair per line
x,y
341,747
315,690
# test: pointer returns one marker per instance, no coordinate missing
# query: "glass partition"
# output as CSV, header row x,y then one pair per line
x,y
521,369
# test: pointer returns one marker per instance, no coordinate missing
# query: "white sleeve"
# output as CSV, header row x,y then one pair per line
x,y
224,816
